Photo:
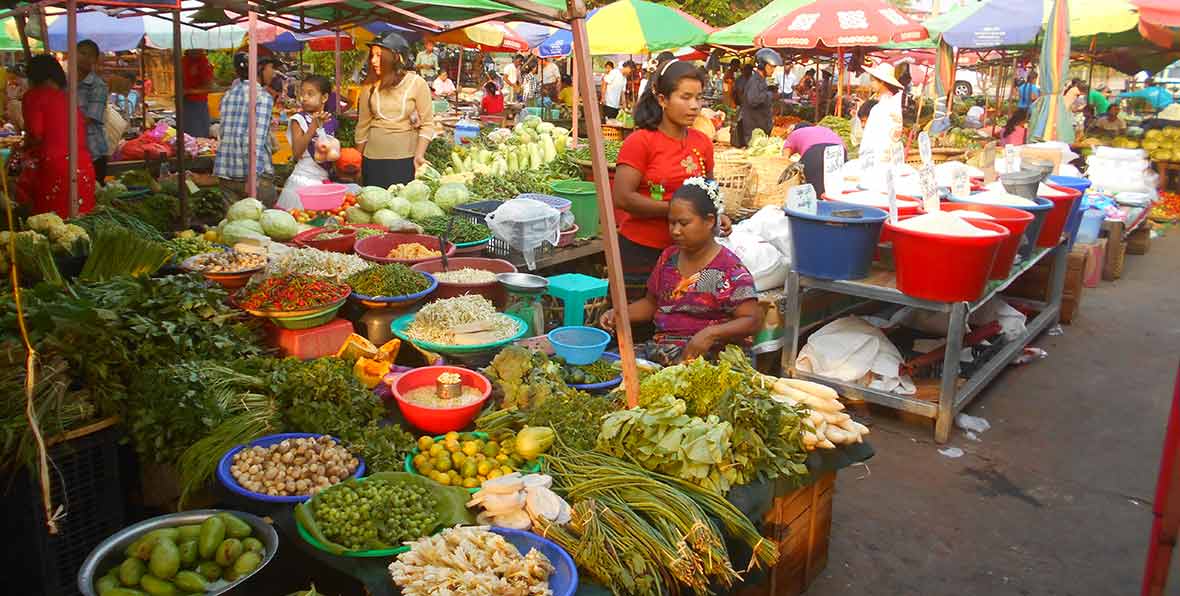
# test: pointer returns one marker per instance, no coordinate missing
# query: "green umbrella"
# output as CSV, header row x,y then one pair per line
x,y
743,32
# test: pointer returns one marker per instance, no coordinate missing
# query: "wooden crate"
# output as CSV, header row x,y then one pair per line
x,y
1034,283
800,523
1139,241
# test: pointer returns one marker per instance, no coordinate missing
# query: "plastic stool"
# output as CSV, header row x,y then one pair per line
x,y
574,289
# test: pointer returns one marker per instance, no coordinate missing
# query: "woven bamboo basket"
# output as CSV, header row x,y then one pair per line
x,y
611,133
732,173
770,184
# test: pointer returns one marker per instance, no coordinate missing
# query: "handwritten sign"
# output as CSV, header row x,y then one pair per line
x,y
924,149
960,182
898,154
891,188
989,163
833,170
1011,159
929,188
868,160
802,198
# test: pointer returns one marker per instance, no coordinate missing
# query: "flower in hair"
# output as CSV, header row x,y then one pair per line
x,y
710,187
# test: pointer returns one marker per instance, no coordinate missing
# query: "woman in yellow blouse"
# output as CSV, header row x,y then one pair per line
x,y
396,120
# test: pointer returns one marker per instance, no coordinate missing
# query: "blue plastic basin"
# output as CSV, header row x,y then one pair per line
x,y
1040,211
228,481
578,344
1078,184
835,247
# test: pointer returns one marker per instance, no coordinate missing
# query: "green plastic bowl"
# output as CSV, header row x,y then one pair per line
x,y
409,466
308,321
399,325
356,554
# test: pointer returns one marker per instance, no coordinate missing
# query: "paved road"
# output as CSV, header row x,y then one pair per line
x,y
1055,499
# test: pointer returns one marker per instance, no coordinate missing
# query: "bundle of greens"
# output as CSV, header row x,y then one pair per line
x,y
712,425
117,251
159,210
59,409
507,186
110,216
643,533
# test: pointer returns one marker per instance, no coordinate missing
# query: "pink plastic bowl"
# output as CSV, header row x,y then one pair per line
x,y
324,197
439,420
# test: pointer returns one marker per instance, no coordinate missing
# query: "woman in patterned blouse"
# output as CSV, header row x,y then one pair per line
x,y
699,295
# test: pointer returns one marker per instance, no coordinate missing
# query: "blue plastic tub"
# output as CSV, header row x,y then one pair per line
x,y
835,247
1040,211
579,345
1078,184
228,481
1075,217
605,385
563,581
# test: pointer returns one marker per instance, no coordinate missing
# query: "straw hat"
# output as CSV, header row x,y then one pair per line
x,y
883,72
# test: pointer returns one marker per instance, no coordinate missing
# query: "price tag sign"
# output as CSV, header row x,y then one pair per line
x,y
924,148
802,198
898,157
929,188
833,170
989,163
891,188
868,160
1011,159
960,182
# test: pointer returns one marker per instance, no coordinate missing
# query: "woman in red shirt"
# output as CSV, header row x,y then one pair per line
x,y
655,160
45,175
492,103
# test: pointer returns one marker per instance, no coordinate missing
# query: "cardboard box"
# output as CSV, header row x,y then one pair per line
x,y
1034,283
1095,257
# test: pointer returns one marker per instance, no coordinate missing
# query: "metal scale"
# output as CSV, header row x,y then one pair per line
x,y
525,292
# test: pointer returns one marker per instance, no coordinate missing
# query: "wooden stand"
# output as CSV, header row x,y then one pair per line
x,y
800,524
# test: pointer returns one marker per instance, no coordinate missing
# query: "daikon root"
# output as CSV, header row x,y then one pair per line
x,y
816,389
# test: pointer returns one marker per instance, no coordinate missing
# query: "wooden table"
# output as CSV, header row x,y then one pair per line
x,y
1167,169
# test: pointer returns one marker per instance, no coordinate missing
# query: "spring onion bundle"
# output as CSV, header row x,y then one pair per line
x,y
119,251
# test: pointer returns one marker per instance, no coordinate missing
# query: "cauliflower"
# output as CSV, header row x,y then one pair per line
x,y
44,222
70,240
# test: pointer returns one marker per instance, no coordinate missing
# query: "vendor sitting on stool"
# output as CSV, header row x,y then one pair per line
x,y
699,295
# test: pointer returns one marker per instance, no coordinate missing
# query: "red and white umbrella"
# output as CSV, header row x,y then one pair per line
x,y
841,24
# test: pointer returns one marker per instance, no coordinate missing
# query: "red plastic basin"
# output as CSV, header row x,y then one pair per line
x,y
1057,216
945,268
905,205
343,243
493,290
374,248
1013,219
438,420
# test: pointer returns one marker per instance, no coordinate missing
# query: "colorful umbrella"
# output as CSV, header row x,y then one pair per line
x,y
1050,120
840,24
944,72
490,36
10,37
1091,17
532,33
631,27
120,34
988,23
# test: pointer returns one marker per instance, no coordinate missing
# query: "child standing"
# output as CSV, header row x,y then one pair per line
x,y
302,130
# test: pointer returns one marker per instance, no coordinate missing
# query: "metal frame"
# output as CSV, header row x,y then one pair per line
x,y
951,399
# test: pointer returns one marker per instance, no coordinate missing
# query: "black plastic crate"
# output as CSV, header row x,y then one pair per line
x,y
88,469
497,247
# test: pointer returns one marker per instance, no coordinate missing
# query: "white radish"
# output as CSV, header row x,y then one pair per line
x,y
838,436
816,389
860,428
848,426
826,444
836,418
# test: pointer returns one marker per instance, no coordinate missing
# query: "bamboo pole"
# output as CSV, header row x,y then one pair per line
x,y
839,82
577,100
606,208
72,91
339,67
252,119
178,84
21,25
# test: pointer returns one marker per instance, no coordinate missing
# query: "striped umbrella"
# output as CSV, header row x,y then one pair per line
x,y
1050,121
631,27
944,72
491,36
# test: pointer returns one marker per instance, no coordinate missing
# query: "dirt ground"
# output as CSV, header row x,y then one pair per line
x,y
1056,497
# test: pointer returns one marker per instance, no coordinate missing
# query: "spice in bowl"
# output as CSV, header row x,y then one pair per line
x,y
292,293
412,251
229,261
393,279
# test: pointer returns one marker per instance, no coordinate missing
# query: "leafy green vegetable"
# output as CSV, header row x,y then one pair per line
x,y
463,230
112,216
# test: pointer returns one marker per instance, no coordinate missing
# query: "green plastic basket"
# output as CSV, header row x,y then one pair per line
x,y
409,465
583,197
399,325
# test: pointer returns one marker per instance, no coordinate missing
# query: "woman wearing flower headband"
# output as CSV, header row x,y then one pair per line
x,y
699,295
655,160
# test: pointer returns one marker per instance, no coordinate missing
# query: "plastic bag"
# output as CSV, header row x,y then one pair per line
x,y
526,225
327,148
770,223
766,265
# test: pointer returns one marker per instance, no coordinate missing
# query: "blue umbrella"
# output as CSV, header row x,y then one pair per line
x,y
560,43
110,33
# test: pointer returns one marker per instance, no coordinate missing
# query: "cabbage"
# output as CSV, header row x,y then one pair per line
x,y
417,191
427,172
373,198
396,189
423,210
531,122
400,206
245,209
278,224
389,219
242,229
451,194
357,215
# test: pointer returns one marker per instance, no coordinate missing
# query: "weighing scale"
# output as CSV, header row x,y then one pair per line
x,y
524,299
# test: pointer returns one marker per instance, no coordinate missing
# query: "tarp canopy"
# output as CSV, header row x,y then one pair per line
x,y
120,34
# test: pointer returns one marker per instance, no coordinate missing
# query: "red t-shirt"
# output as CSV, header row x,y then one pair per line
x,y
667,162
198,74
492,104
